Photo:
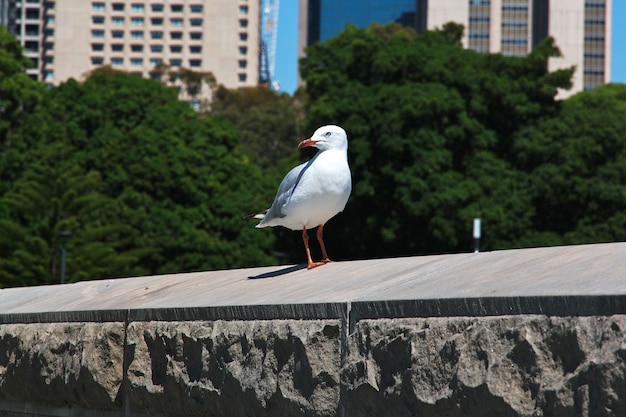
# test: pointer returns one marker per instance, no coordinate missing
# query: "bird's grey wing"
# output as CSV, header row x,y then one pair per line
x,y
285,189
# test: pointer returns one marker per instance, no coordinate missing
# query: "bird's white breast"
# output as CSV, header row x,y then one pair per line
x,y
321,192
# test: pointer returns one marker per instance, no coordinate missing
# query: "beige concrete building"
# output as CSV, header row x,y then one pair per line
x,y
70,38
581,28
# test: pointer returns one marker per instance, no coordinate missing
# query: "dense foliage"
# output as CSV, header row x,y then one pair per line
x,y
143,184
440,135
270,124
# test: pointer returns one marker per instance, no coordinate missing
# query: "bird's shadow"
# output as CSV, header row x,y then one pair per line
x,y
279,272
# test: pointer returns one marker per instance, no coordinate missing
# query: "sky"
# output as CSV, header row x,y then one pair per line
x,y
286,67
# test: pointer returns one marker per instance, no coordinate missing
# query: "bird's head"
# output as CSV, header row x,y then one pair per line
x,y
327,137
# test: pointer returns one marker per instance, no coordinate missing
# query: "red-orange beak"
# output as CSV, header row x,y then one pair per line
x,y
306,143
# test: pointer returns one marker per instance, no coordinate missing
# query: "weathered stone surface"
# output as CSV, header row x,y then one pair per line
x,y
489,334
234,368
78,364
491,366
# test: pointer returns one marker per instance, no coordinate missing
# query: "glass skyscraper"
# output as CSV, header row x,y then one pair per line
x,y
326,18
581,28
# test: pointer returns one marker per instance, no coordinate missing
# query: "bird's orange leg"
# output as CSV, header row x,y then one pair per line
x,y
320,239
305,239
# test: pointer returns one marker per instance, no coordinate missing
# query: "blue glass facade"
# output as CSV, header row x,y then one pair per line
x,y
329,17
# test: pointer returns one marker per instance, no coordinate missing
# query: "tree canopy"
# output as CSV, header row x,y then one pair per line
x,y
440,134
270,123
144,184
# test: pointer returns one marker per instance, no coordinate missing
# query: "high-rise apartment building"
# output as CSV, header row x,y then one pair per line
x,y
70,38
23,19
581,28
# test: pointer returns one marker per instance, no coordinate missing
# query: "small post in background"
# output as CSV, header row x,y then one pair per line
x,y
476,235
64,236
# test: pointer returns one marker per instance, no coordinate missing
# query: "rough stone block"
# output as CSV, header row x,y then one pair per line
x,y
518,366
77,364
234,368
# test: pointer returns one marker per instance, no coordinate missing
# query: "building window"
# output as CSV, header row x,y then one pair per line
x,y
50,5
176,35
32,14
243,23
243,36
117,34
195,35
156,48
196,8
137,7
97,47
157,7
195,49
157,21
136,62
243,50
118,20
194,63
175,21
243,63
176,8
118,7
49,46
97,7
136,47
195,22
97,20
136,34
175,62
137,21
242,77
97,60
155,61
97,33
156,34
48,32
31,46
117,61
49,74
514,25
176,49
49,20
243,9
117,47
48,59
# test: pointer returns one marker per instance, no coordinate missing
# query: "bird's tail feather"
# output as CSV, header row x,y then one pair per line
x,y
255,215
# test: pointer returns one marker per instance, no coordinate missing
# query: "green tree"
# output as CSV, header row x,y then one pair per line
x,y
431,129
192,85
19,95
577,169
51,196
177,182
270,123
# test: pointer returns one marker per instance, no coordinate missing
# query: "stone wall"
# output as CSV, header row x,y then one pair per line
x,y
350,363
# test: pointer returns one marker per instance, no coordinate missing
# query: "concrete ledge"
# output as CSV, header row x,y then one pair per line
x,y
518,333
563,281
563,306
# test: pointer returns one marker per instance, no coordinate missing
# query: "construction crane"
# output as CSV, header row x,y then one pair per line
x,y
269,28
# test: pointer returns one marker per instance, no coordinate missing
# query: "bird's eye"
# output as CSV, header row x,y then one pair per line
x,y
327,134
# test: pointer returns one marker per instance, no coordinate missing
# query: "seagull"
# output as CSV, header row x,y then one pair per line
x,y
315,191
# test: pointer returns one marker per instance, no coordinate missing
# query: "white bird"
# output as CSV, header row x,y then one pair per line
x,y
314,192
